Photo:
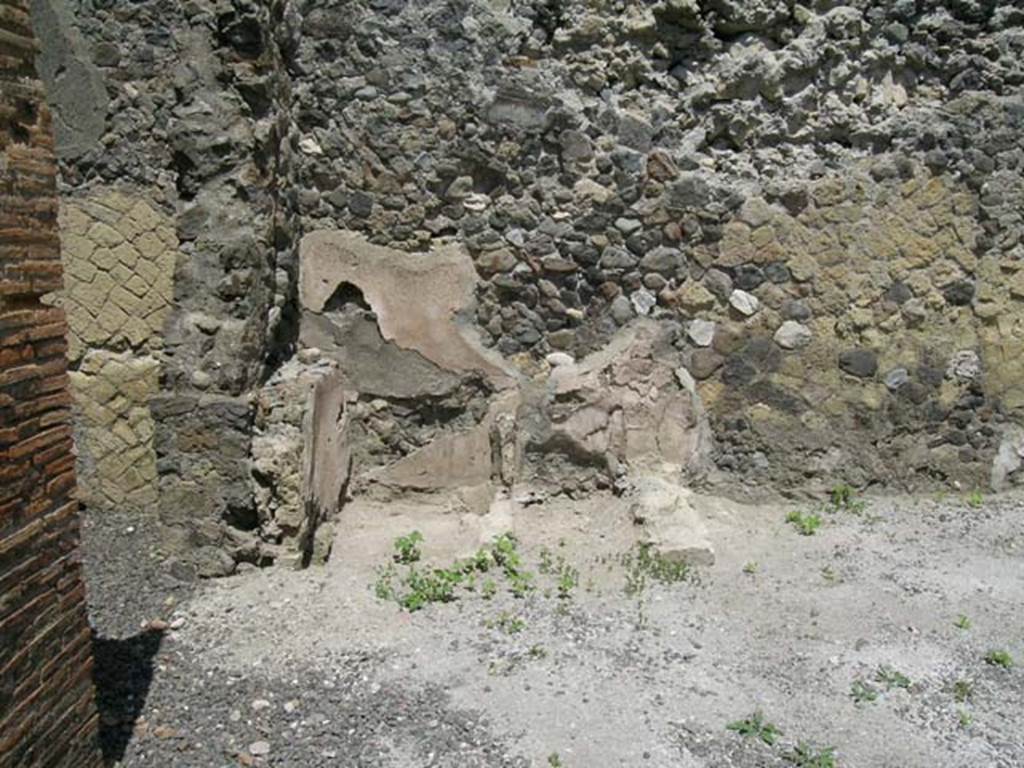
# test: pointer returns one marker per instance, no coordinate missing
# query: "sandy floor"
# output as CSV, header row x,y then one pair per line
x,y
281,668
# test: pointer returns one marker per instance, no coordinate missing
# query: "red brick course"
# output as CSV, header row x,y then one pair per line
x,y
48,715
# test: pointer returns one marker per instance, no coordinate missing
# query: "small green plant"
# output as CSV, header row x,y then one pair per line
x,y
437,586
963,690
806,525
538,652
505,552
806,756
998,658
508,623
891,678
962,622
568,579
844,496
644,563
756,726
489,589
481,561
750,567
636,582
407,548
384,586
975,499
965,718
862,693
555,761
520,583
547,561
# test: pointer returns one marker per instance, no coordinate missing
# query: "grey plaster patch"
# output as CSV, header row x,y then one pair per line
x,y
75,88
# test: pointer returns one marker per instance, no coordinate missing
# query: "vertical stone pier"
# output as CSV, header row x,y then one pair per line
x,y
47,707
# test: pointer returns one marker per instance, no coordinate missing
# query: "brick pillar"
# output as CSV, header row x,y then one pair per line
x,y
47,708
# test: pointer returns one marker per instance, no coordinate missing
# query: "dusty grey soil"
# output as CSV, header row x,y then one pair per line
x,y
281,668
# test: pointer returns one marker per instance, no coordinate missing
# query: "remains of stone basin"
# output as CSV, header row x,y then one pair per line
x,y
381,328
800,224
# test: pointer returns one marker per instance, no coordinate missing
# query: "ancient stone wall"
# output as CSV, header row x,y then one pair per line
x,y
820,203
819,195
47,710
176,246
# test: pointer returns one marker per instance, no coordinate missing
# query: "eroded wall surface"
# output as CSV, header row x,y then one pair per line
x,y
820,205
169,138
47,710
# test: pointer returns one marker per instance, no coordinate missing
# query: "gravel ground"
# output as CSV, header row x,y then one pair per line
x,y
282,668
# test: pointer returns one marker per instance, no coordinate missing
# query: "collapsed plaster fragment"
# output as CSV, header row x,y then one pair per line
x,y
327,464
417,298
347,331
625,406
1006,466
480,458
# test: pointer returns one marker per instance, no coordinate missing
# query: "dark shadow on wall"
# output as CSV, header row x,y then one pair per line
x,y
122,672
